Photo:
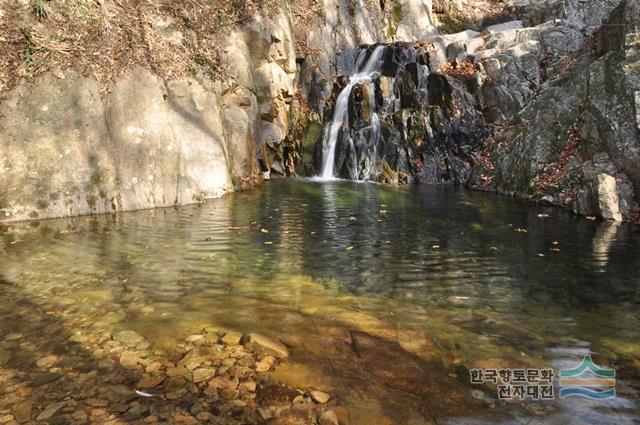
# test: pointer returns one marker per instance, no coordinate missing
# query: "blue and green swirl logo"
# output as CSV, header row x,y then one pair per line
x,y
588,380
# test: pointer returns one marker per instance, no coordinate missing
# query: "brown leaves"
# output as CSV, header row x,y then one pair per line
x,y
484,162
556,172
566,66
464,69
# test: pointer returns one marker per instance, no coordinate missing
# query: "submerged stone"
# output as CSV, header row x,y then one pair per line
x,y
232,338
319,396
128,338
50,411
265,345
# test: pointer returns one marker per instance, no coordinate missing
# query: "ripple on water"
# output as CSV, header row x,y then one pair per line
x,y
382,293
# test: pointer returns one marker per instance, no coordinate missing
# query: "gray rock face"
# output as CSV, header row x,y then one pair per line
x,y
65,151
586,15
67,148
576,143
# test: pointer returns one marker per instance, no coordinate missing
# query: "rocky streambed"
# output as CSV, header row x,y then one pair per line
x,y
58,368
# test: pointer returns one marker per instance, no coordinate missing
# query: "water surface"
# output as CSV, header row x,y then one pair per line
x,y
387,296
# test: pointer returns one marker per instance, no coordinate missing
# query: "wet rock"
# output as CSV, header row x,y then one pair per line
x,y
265,364
265,414
50,411
45,379
184,419
196,357
96,402
136,411
194,338
232,338
22,412
174,383
80,416
203,374
229,394
48,362
129,338
293,418
249,386
181,372
319,397
5,355
265,345
150,381
224,382
203,416
276,395
130,360
246,362
153,367
212,393
329,417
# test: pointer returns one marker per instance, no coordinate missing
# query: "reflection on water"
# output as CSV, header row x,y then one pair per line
x,y
386,295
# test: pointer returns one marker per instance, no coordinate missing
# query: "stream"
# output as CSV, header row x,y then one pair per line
x,y
386,296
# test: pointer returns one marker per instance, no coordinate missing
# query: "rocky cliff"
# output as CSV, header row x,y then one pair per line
x,y
574,139
534,99
113,106
118,106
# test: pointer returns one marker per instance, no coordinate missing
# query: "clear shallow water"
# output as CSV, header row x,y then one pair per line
x,y
386,295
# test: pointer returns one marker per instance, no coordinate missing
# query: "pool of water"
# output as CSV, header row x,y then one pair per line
x,y
386,296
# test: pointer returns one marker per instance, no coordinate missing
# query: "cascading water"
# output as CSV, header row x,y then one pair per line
x,y
365,75
395,120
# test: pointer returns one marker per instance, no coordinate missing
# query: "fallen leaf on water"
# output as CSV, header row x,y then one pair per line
x,y
521,230
540,254
435,247
543,215
264,230
268,243
555,243
349,248
590,217
554,250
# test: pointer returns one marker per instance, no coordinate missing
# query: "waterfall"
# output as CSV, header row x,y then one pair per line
x,y
364,75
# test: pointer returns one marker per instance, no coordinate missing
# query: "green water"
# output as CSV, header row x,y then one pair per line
x,y
386,296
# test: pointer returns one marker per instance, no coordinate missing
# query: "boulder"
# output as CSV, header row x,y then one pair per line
x,y
608,197
267,346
